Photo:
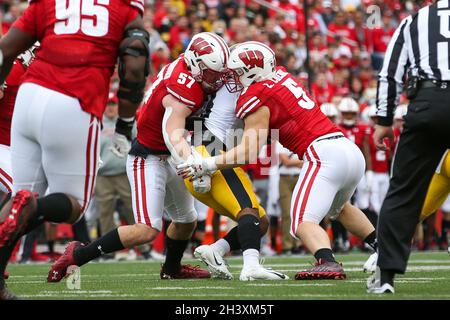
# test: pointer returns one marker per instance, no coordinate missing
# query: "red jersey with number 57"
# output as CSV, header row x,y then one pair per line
x,y
80,42
174,79
292,111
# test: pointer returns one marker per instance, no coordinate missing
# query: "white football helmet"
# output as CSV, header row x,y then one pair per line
x,y
250,62
347,107
206,57
329,109
400,112
369,113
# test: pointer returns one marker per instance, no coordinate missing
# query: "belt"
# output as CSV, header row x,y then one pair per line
x,y
331,138
434,84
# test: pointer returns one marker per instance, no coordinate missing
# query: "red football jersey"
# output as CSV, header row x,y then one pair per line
x,y
356,133
292,110
174,79
380,158
79,45
12,84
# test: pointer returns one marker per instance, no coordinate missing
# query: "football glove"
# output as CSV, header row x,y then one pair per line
x,y
202,184
120,145
196,166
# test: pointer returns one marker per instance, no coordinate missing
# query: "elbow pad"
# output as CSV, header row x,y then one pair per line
x,y
136,89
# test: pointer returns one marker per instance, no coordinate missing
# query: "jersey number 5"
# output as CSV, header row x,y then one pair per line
x,y
75,15
303,100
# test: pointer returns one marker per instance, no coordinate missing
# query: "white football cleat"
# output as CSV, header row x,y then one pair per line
x,y
216,264
261,273
371,263
374,284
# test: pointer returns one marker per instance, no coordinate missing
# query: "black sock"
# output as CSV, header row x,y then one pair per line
x,y
174,254
233,240
55,207
324,254
249,232
51,246
387,276
273,232
371,240
372,216
110,242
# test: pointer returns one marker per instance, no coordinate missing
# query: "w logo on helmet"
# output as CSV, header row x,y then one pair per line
x,y
201,47
252,58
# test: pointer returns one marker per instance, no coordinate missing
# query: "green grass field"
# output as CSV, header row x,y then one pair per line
x,y
428,277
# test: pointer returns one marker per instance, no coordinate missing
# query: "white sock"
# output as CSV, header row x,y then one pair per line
x,y
221,246
251,258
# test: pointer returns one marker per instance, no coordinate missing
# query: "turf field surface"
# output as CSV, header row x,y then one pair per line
x,y
428,277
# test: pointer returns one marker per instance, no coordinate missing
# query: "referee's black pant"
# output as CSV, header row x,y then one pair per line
x,y
424,140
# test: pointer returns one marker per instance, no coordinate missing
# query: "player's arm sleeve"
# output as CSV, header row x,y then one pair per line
x,y
247,104
390,82
191,97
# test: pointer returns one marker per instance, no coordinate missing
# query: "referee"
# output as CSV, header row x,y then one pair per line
x,y
419,52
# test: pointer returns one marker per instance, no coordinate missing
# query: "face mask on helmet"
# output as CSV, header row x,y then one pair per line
x,y
232,80
210,79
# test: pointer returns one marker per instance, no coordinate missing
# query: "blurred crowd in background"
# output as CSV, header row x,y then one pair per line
x,y
346,40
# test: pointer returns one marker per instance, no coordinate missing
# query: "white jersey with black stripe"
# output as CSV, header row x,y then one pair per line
x,y
221,117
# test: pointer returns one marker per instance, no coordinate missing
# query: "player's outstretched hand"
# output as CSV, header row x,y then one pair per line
x,y
196,166
382,132
120,145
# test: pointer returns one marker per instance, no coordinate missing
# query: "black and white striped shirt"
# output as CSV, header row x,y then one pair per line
x,y
419,47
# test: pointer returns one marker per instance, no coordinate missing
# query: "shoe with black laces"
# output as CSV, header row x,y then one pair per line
x,y
186,272
323,270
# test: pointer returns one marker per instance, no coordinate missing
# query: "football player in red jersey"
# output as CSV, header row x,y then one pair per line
x,y
59,106
177,92
358,133
333,165
8,94
380,166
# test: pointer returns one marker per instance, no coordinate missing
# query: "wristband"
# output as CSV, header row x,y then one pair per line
x,y
125,126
